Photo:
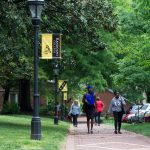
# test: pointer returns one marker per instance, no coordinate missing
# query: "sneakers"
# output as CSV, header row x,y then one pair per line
x,y
115,132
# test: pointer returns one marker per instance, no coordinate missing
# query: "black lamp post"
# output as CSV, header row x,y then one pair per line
x,y
36,7
56,73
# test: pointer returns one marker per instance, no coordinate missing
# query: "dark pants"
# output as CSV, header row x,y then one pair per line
x,y
97,117
117,120
75,122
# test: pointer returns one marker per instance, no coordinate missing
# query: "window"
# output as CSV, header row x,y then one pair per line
x,y
13,97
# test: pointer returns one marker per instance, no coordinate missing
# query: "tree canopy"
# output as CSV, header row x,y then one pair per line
x,y
105,43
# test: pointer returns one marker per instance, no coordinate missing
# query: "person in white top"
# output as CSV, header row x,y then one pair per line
x,y
116,107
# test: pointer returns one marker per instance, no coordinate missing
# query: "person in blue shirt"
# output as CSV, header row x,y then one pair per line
x,y
89,106
75,112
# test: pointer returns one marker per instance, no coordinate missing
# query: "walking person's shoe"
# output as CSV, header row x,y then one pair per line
x,y
119,132
91,132
98,124
115,132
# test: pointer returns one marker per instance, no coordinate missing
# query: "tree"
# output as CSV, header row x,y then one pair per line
x,y
133,49
80,22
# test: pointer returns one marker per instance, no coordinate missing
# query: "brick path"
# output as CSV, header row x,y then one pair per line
x,y
103,138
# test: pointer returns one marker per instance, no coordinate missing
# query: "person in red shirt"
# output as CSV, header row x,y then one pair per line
x,y
99,106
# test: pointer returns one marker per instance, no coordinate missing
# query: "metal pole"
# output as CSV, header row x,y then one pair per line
x,y
36,122
56,90
62,107
138,115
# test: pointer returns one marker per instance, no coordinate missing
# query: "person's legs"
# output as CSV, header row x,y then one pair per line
x,y
115,120
99,115
92,125
73,116
88,124
95,117
119,121
76,120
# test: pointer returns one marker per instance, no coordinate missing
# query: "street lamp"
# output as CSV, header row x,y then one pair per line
x,y
56,73
36,7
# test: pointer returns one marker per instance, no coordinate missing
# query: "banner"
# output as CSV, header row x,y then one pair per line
x,y
65,96
62,85
46,46
51,46
56,45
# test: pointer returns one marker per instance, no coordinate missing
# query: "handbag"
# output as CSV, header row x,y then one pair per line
x,y
84,107
122,108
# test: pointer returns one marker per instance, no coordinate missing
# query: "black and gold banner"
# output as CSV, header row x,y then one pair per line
x,y
51,46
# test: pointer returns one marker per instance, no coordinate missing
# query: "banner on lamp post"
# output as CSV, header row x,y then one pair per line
x,y
47,46
62,85
65,96
51,46
56,45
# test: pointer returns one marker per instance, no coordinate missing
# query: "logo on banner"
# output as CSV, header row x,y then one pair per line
x,y
62,85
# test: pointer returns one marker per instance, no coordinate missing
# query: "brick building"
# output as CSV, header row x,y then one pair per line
x,y
14,95
107,96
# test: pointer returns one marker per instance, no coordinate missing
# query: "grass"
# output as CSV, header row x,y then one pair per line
x,y
140,128
15,131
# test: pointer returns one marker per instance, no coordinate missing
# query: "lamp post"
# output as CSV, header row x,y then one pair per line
x,y
56,73
36,7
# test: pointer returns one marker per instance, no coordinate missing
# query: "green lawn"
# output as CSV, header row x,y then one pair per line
x,y
15,133
141,128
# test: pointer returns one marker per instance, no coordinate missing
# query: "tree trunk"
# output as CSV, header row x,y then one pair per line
x,y
24,96
6,94
148,96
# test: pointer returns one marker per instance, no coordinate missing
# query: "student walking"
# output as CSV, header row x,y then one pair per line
x,y
99,106
75,111
89,107
116,107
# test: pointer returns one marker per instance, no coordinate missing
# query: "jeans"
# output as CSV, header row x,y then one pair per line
x,y
97,117
75,122
117,120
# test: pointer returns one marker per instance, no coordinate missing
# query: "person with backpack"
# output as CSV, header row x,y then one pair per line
x,y
99,106
75,112
89,107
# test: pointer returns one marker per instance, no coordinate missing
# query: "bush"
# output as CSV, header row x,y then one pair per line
x,y
43,109
10,108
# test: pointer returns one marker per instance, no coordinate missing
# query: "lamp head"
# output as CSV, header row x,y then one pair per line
x,y
36,7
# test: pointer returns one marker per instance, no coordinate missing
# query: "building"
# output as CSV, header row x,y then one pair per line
x,y
107,96
14,96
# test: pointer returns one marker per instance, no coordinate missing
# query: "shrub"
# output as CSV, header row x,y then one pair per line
x,y
43,109
11,108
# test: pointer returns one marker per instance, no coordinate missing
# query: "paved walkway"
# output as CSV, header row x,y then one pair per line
x,y
103,138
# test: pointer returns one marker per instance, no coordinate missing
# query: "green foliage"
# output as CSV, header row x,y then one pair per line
x,y
78,21
43,110
10,108
131,49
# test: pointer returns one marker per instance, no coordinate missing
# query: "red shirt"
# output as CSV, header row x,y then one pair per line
x,y
99,106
